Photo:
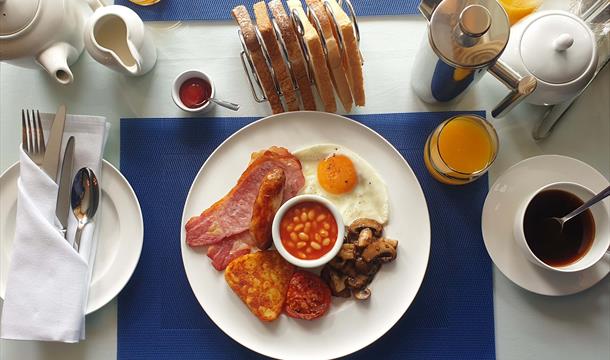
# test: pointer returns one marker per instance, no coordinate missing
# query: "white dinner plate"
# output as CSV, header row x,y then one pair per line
x,y
500,209
121,233
349,325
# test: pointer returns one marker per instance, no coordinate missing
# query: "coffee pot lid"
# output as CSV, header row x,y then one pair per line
x,y
558,48
469,33
16,15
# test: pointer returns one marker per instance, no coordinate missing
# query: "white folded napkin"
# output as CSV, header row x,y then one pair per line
x,y
48,281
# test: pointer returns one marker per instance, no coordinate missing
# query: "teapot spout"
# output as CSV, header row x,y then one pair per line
x,y
55,61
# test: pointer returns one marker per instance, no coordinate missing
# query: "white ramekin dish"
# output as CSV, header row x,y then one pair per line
x,y
277,241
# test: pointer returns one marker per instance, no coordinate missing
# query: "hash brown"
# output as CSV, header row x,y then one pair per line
x,y
261,281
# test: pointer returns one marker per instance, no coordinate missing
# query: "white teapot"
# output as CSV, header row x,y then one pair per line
x,y
44,32
558,49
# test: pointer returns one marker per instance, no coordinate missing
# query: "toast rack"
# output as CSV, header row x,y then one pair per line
x,y
248,65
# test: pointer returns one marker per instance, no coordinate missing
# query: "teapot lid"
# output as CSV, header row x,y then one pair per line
x,y
558,48
16,15
469,34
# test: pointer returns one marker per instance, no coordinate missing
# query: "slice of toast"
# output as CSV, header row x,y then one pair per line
x,y
316,57
295,54
334,61
277,61
351,53
240,13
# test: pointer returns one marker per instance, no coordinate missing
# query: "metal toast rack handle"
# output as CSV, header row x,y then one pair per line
x,y
246,59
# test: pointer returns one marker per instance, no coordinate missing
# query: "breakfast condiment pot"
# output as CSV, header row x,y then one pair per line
x,y
48,33
558,49
465,40
116,37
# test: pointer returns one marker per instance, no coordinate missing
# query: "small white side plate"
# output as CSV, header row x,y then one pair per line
x,y
500,210
120,238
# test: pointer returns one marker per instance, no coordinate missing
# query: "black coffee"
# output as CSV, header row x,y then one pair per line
x,y
550,245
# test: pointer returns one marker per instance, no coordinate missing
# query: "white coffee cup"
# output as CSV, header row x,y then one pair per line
x,y
601,240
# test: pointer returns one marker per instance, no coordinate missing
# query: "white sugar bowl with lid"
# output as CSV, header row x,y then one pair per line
x,y
558,49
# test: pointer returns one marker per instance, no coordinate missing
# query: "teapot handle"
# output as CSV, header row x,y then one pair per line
x,y
520,86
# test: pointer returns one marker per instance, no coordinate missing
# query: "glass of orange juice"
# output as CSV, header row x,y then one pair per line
x,y
518,9
144,2
461,149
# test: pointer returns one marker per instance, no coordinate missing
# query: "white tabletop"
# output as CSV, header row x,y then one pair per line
x,y
528,326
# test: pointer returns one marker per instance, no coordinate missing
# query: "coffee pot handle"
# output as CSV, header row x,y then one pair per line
x,y
520,86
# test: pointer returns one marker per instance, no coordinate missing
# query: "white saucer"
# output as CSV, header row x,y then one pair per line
x,y
120,238
499,213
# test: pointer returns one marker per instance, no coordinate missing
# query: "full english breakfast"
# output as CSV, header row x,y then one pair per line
x,y
328,186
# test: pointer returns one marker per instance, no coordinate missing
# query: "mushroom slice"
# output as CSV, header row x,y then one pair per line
x,y
357,282
337,263
379,250
362,294
365,238
335,282
347,252
360,224
394,243
363,267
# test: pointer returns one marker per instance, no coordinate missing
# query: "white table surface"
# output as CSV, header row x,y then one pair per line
x,y
528,326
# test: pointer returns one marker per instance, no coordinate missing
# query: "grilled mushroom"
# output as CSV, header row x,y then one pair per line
x,y
336,282
379,250
360,224
362,294
394,243
367,268
337,263
357,282
365,238
347,252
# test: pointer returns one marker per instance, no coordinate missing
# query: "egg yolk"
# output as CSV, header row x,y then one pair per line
x,y
337,174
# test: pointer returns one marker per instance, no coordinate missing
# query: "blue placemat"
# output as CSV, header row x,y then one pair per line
x,y
172,10
160,318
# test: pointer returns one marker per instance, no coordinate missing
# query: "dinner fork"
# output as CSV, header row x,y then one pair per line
x,y
32,136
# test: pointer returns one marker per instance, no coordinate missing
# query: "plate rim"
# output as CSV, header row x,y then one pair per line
x,y
502,268
140,228
305,114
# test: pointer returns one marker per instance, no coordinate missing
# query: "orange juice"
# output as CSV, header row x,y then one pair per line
x,y
518,9
460,149
465,145
144,2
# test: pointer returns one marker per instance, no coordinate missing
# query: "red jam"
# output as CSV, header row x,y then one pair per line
x,y
194,92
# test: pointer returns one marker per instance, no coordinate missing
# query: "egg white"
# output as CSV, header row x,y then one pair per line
x,y
368,199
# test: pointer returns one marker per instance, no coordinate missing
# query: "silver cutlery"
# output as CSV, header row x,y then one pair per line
x,y
555,225
32,136
225,104
65,184
85,199
50,162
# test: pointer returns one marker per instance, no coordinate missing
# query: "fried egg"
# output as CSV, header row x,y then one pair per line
x,y
346,180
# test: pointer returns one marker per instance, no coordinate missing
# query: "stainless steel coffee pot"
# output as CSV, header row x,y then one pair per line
x,y
465,40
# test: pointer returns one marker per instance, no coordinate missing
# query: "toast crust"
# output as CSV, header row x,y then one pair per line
x,y
338,72
277,61
351,53
295,54
316,58
240,13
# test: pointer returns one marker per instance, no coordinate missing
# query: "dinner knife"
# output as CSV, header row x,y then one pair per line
x,y
62,209
50,163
